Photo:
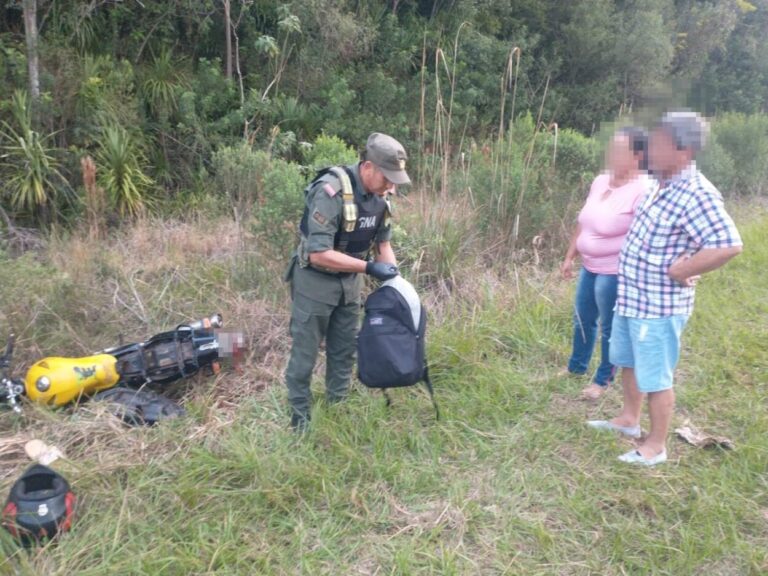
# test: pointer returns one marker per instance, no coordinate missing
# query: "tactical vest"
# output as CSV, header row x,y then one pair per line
x,y
360,220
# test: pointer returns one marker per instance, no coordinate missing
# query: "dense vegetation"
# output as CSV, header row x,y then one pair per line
x,y
218,103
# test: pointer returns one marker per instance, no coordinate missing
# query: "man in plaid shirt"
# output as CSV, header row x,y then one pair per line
x,y
680,231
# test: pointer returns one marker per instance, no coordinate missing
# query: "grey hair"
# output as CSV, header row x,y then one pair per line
x,y
689,130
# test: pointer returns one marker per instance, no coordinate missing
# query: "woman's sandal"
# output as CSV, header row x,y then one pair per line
x,y
593,391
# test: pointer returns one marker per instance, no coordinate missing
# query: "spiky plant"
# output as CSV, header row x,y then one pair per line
x,y
120,159
31,171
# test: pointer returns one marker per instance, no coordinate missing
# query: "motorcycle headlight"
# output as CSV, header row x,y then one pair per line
x,y
43,384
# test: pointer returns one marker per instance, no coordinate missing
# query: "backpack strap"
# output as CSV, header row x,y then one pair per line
x,y
387,220
347,194
428,385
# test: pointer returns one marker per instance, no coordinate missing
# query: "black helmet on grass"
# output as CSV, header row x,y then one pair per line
x,y
39,506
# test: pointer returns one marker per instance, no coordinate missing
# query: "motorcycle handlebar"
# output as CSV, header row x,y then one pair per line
x,y
213,321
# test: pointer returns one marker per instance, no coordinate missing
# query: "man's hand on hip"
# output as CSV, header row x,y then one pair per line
x,y
678,272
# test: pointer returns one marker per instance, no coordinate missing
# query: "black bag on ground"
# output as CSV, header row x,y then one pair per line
x,y
390,347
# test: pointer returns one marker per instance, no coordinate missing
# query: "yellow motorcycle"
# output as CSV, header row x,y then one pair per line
x,y
119,375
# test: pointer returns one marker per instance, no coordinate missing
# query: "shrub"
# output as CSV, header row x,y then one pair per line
x,y
515,181
328,151
745,139
267,189
106,96
237,175
718,165
434,242
281,205
209,110
161,85
577,158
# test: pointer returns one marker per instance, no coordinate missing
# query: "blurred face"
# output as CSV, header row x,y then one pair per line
x,y
664,158
374,180
619,157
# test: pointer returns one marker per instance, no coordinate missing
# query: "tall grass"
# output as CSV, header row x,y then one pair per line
x,y
519,188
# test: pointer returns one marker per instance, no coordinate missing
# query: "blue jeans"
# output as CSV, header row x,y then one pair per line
x,y
595,300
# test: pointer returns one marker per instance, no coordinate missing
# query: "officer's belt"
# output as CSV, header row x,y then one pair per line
x,y
341,275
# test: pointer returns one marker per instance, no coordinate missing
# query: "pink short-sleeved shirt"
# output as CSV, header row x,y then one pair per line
x,y
605,221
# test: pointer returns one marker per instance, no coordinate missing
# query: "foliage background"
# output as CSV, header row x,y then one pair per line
x,y
493,100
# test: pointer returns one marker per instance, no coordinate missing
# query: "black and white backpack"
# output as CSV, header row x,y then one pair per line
x,y
390,345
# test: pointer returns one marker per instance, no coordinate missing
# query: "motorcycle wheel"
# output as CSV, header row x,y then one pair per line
x,y
139,407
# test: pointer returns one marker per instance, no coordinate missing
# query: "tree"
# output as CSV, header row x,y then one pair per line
x,y
644,50
228,37
702,28
31,36
735,77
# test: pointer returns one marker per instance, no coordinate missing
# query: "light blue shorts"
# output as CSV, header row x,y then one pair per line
x,y
649,345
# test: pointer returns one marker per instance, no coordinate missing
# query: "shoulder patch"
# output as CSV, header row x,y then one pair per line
x,y
319,218
330,190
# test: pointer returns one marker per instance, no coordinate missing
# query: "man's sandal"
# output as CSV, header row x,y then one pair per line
x,y
631,431
634,457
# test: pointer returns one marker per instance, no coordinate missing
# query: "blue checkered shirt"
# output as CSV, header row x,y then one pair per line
x,y
682,216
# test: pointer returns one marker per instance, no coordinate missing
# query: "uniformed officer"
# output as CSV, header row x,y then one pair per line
x,y
346,219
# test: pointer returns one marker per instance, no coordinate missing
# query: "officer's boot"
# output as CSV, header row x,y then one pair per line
x,y
300,422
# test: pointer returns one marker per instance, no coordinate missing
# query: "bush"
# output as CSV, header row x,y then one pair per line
x,y
496,175
209,113
718,165
577,158
520,185
106,95
744,138
237,175
328,151
435,242
281,204
270,190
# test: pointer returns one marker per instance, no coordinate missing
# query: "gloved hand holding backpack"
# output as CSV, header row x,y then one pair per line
x,y
381,270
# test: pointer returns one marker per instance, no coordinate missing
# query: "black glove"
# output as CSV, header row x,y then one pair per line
x,y
381,270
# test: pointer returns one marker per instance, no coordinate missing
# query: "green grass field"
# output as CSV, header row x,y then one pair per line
x,y
510,481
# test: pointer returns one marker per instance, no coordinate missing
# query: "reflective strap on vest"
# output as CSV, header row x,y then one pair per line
x,y
388,213
349,212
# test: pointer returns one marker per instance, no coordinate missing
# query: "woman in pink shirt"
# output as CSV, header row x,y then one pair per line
x,y
602,225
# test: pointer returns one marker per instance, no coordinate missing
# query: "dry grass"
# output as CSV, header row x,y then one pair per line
x,y
88,434
140,281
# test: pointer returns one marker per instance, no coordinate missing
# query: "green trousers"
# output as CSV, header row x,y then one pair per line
x,y
311,322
